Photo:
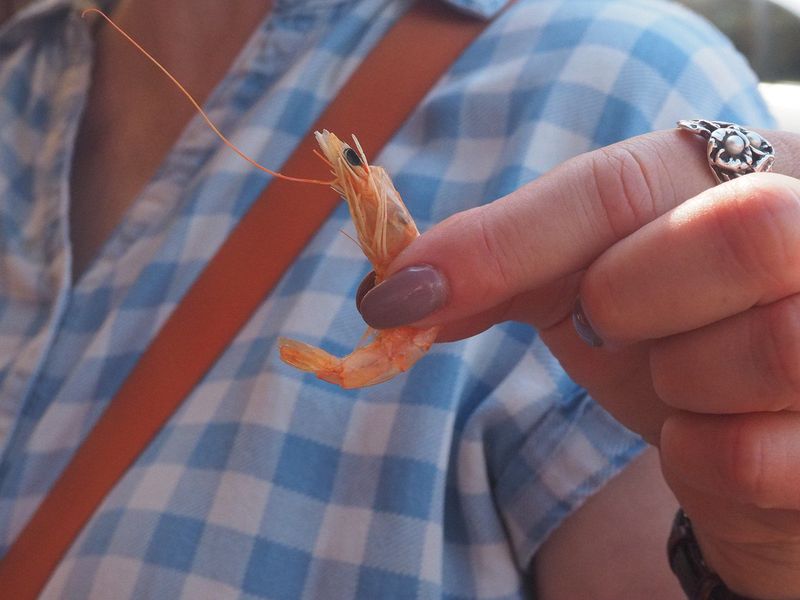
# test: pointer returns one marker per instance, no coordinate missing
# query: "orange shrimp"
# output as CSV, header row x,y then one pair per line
x,y
384,227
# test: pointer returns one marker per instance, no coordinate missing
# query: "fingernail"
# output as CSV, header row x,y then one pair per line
x,y
407,296
366,285
584,328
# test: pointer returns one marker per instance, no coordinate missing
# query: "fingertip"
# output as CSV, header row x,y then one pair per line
x,y
584,327
366,285
405,297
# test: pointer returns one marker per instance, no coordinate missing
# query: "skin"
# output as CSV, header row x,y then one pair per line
x,y
694,289
144,121
612,548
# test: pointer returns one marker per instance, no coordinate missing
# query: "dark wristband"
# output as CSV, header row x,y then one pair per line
x,y
697,580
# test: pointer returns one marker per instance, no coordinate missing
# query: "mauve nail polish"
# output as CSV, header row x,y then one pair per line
x,y
407,296
584,328
366,285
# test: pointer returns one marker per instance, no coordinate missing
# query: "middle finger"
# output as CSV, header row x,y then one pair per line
x,y
730,248
747,363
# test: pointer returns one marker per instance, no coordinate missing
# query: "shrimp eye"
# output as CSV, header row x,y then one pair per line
x,y
352,157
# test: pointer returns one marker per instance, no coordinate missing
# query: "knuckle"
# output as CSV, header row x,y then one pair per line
x,y
758,233
602,303
747,466
665,384
624,188
499,257
776,350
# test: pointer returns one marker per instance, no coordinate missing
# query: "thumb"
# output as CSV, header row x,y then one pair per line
x,y
539,234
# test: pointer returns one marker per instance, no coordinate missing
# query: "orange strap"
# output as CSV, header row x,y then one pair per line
x,y
376,100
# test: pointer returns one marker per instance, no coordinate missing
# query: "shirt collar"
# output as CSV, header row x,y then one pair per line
x,y
485,9
36,10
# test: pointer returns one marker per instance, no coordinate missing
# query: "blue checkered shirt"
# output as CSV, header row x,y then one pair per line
x,y
268,483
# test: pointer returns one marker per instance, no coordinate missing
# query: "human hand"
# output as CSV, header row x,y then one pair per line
x,y
694,294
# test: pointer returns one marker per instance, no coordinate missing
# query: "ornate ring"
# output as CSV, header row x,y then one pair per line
x,y
733,151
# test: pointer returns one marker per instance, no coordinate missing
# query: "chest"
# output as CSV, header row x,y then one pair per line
x,y
133,117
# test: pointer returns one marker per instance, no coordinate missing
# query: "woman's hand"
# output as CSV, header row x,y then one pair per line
x,y
693,295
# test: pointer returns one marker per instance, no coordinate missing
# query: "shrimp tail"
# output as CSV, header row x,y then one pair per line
x,y
390,353
361,368
310,358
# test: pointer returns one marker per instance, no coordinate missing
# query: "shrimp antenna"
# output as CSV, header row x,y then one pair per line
x,y
196,104
352,239
323,157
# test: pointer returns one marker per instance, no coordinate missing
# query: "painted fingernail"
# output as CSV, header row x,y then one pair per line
x,y
584,328
405,297
366,285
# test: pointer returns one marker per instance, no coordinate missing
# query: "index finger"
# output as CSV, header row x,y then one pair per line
x,y
560,223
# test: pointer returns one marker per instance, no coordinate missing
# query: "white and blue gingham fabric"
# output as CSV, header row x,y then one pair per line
x,y
268,483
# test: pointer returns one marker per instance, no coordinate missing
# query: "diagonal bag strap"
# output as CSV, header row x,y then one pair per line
x,y
375,101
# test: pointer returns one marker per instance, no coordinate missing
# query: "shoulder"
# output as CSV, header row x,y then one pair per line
x,y
633,43
605,70
664,40
618,23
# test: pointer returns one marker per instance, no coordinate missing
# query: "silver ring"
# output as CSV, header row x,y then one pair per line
x,y
733,151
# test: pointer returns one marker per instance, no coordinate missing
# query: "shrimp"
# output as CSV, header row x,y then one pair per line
x,y
384,227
